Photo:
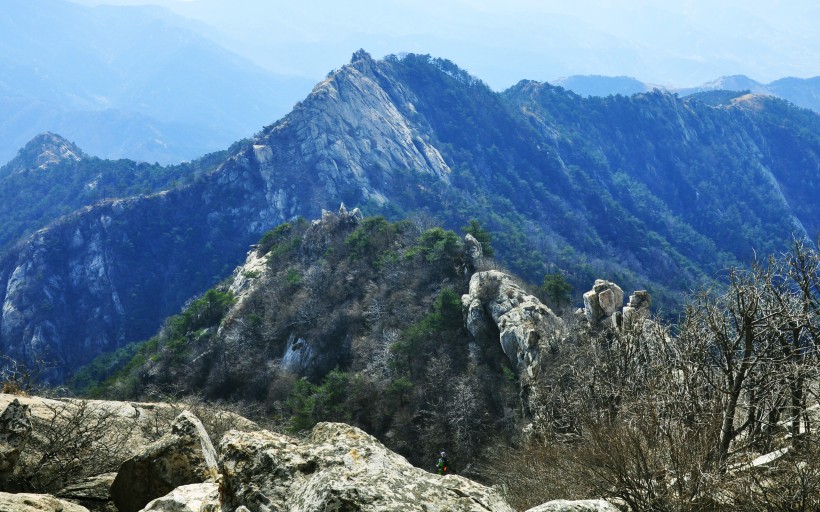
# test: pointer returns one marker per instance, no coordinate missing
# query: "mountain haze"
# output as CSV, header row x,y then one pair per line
x,y
652,191
803,92
137,82
52,176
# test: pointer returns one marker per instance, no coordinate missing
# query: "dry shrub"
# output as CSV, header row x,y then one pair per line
x,y
533,473
75,441
788,484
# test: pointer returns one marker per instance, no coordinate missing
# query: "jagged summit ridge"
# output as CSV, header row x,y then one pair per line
x,y
42,152
354,133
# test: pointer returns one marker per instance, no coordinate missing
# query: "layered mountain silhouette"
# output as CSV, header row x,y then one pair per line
x,y
135,82
803,92
652,191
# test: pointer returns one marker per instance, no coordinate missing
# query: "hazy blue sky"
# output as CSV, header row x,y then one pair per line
x,y
676,43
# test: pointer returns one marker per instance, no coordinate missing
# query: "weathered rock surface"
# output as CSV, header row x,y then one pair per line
x,y
134,424
499,309
602,302
637,311
188,498
36,503
184,456
42,152
575,506
15,429
473,249
373,132
94,493
338,468
602,307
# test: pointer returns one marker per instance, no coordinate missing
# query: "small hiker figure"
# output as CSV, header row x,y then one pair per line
x,y
442,464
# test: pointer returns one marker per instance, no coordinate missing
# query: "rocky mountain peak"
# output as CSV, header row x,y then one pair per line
x,y
44,151
361,54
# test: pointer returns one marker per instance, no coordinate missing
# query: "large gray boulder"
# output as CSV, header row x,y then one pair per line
x,y
94,493
498,310
185,456
340,468
36,503
15,430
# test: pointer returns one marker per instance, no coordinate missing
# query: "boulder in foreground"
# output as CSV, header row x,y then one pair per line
x,y
185,456
338,467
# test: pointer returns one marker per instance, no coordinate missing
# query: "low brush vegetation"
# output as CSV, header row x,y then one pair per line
x,y
361,322
717,412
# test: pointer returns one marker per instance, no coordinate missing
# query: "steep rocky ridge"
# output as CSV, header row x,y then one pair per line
x,y
82,286
51,176
691,179
649,190
43,151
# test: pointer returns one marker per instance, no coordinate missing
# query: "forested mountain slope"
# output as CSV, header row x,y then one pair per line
x,y
51,177
651,191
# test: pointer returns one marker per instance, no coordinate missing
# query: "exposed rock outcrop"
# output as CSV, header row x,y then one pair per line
x,y
603,307
42,152
25,502
499,310
602,302
473,249
94,493
637,311
185,456
373,133
338,468
15,429
79,287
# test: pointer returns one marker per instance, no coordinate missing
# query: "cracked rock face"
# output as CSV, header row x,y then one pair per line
x,y
525,326
185,456
73,289
602,302
338,467
188,498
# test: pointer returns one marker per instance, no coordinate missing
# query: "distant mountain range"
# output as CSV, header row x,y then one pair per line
x,y
145,84
803,92
136,82
652,191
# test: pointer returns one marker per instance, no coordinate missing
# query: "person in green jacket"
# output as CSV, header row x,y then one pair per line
x,y
442,466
